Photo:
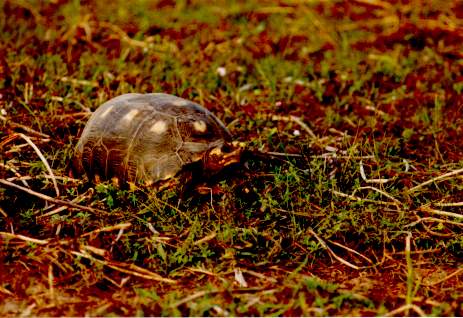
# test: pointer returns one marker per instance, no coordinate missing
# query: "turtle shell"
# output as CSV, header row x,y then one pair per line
x,y
147,137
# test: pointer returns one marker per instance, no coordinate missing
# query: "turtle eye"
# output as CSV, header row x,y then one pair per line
x,y
227,148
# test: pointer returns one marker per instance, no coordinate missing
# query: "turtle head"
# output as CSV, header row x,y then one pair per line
x,y
221,156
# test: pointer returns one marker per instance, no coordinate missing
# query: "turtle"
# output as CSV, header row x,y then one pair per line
x,y
147,138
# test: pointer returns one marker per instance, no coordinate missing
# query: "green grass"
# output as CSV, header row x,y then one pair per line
x,y
349,213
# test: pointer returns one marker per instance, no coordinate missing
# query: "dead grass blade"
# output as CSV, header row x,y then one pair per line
x,y
147,43
455,273
438,178
44,160
51,287
194,296
280,154
410,271
259,275
447,204
78,82
351,250
44,176
59,209
2,212
205,239
131,269
121,226
364,176
431,219
296,120
356,198
5,291
331,252
405,308
377,3
23,238
16,173
384,193
50,199
440,212
25,128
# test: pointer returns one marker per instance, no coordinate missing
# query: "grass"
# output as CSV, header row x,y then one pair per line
x,y
348,202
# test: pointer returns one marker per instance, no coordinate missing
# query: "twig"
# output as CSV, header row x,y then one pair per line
x,y
445,175
324,245
23,238
45,162
50,199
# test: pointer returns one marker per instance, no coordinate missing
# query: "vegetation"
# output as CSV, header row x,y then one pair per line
x,y
348,201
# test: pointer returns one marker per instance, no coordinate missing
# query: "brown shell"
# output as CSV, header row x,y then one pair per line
x,y
147,137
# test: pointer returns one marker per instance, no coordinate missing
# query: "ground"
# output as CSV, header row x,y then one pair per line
x,y
347,200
